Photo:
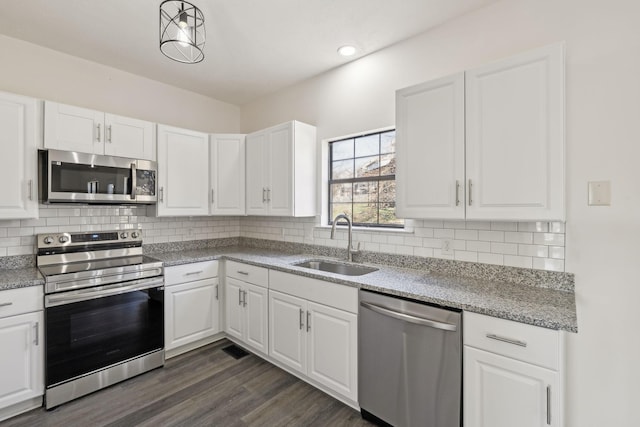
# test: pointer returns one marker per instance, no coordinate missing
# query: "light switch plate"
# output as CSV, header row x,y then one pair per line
x,y
599,193
447,247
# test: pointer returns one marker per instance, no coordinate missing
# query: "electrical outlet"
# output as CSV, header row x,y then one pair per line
x,y
447,247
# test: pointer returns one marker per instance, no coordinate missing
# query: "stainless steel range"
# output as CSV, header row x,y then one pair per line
x,y
104,311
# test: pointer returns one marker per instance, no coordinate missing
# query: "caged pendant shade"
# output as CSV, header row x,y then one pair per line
x,y
182,33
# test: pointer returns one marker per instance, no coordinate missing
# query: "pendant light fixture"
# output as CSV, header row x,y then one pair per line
x,y
182,33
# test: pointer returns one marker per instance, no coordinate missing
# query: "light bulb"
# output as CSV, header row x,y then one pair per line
x,y
183,36
182,21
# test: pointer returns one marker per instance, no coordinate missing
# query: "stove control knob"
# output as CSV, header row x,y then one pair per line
x,y
135,234
63,239
124,235
48,240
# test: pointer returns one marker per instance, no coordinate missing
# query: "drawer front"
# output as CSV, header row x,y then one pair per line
x,y
334,295
190,272
247,273
21,300
532,344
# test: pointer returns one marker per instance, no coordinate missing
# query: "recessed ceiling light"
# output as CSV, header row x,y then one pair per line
x,y
347,50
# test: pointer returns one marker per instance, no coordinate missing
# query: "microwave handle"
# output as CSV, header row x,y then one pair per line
x,y
134,185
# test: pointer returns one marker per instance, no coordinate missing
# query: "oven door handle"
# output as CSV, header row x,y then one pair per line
x,y
101,292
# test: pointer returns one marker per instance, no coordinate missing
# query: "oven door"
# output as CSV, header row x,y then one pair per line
x,y
95,328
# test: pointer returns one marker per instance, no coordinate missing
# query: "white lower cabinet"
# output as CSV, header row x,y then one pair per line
x,y
192,308
246,313
512,374
313,330
22,355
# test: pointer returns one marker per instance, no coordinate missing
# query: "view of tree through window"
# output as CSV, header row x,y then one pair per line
x,y
362,180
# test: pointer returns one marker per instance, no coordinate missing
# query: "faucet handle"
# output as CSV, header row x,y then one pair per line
x,y
355,251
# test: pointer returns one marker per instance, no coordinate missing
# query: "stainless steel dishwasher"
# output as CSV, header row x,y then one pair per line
x,y
409,362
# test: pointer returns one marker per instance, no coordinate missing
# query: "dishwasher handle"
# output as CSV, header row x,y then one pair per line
x,y
409,318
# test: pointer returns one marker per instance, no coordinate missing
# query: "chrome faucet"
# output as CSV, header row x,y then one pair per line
x,y
350,250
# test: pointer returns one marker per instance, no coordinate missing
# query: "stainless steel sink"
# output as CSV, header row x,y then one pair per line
x,y
337,268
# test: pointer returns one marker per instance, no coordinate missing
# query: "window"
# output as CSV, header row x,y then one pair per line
x,y
362,179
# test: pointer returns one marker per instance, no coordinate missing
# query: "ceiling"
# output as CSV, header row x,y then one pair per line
x,y
253,47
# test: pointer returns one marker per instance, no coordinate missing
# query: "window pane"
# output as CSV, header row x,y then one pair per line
x,y
342,149
368,166
388,142
388,214
340,208
341,193
387,191
388,164
365,213
365,192
342,169
367,145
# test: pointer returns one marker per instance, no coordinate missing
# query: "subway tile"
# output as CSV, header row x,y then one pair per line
x,y
40,222
478,225
556,227
518,237
437,253
404,250
551,239
388,249
18,232
432,243
548,264
478,246
534,227
466,256
504,226
491,236
395,240
432,223
413,241
466,234
424,232
455,224
504,248
539,251
423,252
58,221
518,261
556,252
444,233
486,258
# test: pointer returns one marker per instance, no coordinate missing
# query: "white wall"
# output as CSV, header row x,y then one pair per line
x,y
40,72
603,109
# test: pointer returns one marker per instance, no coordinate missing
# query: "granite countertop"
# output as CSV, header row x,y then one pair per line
x,y
549,308
12,278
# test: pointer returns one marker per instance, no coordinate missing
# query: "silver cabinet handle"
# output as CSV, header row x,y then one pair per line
x,y
161,194
301,319
408,317
5,304
308,320
507,340
212,196
193,273
549,405
457,193
108,138
240,297
244,273
134,180
470,201
37,340
264,194
30,189
217,292
244,300
98,131
268,194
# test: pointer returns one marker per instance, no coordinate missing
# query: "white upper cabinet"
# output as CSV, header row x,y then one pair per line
x,y
183,172
71,128
281,170
485,144
515,137
19,124
430,149
227,174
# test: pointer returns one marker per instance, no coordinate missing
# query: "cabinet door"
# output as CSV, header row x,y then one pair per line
x,y
287,331
333,348
191,312
257,163
515,137
183,172
503,392
280,181
18,130
127,137
22,358
256,331
233,309
71,128
430,149
227,174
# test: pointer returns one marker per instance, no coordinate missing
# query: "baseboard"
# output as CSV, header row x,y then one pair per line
x,y
168,354
20,407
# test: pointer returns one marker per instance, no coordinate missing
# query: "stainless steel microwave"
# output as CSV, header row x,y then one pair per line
x,y
70,177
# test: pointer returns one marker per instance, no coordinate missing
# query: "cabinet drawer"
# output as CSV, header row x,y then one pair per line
x,y
527,343
248,273
335,295
21,300
190,272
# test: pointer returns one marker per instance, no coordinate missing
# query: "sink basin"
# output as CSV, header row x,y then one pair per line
x,y
337,268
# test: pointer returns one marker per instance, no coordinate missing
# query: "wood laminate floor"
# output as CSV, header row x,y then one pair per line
x,y
205,387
